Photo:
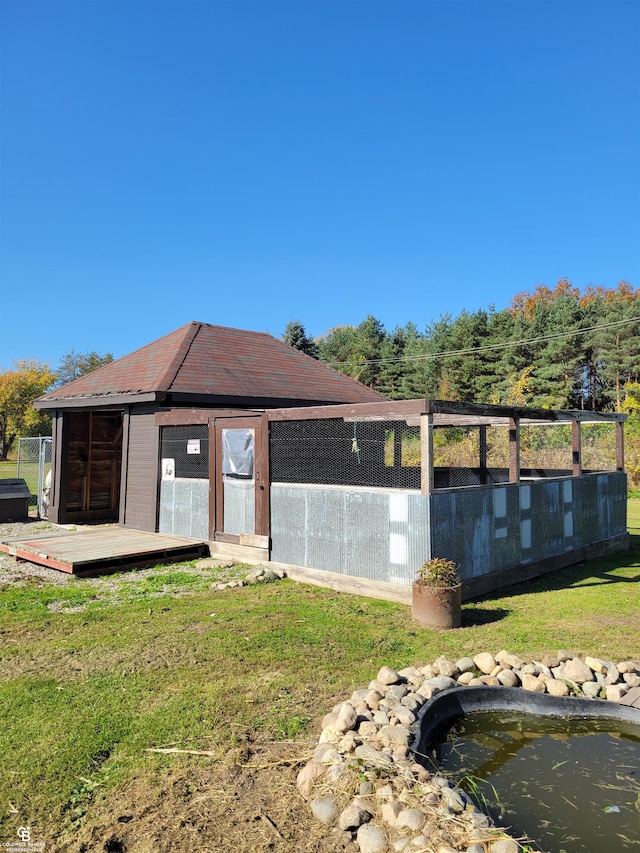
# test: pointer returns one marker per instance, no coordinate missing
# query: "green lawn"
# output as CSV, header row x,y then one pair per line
x,y
90,678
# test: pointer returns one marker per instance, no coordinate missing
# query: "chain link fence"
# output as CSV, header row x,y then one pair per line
x,y
34,467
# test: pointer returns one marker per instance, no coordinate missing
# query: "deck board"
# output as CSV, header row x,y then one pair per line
x,y
102,550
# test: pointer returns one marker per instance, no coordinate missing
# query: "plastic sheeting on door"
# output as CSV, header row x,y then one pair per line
x,y
237,452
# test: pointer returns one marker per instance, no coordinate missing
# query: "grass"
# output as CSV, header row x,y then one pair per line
x,y
94,674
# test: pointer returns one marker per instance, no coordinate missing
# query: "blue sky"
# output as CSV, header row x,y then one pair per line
x,y
249,162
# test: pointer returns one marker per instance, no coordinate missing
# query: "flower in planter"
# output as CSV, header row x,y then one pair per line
x,y
438,572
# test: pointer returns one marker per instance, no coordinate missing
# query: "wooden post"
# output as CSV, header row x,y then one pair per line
x,y
576,448
619,446
483,454
426,454
514,450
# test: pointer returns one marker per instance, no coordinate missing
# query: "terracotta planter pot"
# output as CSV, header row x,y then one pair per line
x,y
437,607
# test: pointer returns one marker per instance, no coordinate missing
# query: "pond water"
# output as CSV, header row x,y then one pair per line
x,y
571,786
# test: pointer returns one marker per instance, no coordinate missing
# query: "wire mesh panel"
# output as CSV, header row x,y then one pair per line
x,y
185,451
34,466
470,455
599,447
333,451
546,450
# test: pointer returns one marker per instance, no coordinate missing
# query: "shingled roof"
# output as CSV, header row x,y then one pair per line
x,y
212,365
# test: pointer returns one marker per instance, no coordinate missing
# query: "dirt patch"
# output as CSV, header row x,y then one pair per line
x,y
252,806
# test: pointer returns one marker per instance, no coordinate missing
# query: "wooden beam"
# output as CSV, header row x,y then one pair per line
x,y
619,446
514,450
426,455
483,453
576,448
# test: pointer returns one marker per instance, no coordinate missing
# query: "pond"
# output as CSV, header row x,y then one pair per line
x,y
569,785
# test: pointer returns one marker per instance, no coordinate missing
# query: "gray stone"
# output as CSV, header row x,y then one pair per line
x,y
454,801
612,675
354,816
306,778
329,719
591,689
390,811
330,755
413,701
578,671
372,756
347,717
348,742
475,848
367,729
388,675
542,668
440,683
564,655
465,665
533,683
395,693
485,662
403,715
508,678
371,839
373,699
504,845
359,696
381,718
557,688
529,669
444,666
615,692
411,819
326,810
394,735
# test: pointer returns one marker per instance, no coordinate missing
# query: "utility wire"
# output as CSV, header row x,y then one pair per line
x,y
506,345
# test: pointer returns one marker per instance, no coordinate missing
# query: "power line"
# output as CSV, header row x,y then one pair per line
x,y
505,345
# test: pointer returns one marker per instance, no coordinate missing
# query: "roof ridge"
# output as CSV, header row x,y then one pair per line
x,y
170,374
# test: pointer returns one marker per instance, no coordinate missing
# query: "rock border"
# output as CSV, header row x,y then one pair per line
x,y
363,777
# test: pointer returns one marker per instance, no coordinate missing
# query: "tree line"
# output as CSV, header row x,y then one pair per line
x,y
27,380
553,348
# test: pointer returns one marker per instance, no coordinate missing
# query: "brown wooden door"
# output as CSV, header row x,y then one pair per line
x,y
240,481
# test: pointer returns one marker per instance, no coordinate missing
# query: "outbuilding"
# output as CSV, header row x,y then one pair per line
x,y
234,438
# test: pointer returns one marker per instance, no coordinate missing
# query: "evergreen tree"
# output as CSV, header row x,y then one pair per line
x,y
296,336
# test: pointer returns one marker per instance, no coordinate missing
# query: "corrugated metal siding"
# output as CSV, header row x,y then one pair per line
x,y
377,534
490,530
141,498
184,508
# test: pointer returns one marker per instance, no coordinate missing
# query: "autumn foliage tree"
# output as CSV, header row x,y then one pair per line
x,y
18,389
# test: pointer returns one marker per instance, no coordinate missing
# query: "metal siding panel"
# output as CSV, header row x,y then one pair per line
x,y
378,535
184,508
166,517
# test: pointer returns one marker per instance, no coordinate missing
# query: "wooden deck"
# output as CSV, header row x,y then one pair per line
x,y
103,549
